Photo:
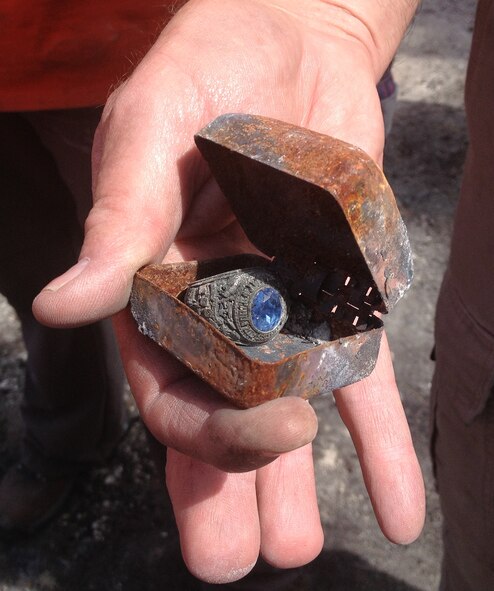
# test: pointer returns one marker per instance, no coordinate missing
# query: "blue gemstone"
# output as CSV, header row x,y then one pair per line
x,y
267,309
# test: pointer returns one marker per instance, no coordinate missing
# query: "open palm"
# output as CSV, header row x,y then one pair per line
x,y
241,481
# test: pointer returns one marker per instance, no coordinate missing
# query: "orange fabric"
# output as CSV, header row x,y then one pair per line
x,y
69,53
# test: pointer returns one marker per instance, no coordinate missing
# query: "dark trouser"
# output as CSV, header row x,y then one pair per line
x,y
72,405
463,444
462,392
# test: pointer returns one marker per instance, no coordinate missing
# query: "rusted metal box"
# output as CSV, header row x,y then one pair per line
x,y
327,222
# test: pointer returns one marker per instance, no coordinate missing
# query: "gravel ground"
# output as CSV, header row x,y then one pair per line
x,y
117,532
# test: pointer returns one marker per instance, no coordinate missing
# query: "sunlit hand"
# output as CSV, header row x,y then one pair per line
x,y
154,201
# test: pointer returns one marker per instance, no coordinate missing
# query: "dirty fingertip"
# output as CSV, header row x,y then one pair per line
x,y
217,573
275,427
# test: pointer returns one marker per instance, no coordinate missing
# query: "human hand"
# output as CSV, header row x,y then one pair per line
x,y
155,201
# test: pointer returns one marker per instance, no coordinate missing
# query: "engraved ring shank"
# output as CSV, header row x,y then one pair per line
x,y
248,306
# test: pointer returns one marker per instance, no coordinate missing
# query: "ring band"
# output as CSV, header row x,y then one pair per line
x,y
249,306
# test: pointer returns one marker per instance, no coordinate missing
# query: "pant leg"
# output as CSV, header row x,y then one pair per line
x,y
462,393
463,443
72,405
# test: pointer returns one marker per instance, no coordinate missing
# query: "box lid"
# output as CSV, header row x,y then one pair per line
x,y
307,198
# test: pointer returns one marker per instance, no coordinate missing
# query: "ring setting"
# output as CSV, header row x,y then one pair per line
x,y
249,306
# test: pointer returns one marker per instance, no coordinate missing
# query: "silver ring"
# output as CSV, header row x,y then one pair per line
x,y
249,306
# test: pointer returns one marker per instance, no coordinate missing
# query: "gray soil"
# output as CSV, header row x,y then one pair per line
x,y
117,532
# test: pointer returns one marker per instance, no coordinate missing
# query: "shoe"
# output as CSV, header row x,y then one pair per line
x,y
29,500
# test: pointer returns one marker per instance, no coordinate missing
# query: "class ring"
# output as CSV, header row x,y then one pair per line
x,y
249,306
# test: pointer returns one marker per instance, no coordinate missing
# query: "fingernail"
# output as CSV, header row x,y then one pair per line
x,y
69,275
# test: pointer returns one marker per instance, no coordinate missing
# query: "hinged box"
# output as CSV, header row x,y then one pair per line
x,y
324,216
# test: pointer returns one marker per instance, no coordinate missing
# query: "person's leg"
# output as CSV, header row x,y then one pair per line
x,y
72,407
462,393
463,444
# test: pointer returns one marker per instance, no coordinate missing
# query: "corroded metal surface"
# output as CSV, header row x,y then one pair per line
x,y
321,199
247,376
323,213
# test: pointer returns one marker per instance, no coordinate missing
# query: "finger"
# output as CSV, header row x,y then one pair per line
x,y
291,532
374,415
145,164
217,518
185,413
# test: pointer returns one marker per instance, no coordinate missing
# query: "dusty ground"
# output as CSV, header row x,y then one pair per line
x,y
116,532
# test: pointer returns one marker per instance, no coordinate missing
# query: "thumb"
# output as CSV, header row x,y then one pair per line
x,y
140,159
